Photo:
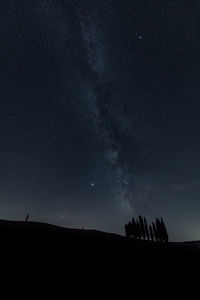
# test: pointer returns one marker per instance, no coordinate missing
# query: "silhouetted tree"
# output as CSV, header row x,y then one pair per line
x,y
164,231
138,229
155,232
159,230
146,228
133,225
151,233
128,229
142,228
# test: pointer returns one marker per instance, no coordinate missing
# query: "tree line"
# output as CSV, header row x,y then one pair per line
x,y
139,229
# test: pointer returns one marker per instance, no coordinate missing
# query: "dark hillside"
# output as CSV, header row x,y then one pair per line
x,y
36,238
49,256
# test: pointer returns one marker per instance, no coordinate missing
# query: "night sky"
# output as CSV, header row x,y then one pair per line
x,y
99,113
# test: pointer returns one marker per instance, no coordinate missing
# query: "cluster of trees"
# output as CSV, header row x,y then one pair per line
x,y
139,229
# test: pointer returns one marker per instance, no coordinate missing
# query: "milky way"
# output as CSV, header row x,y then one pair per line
x,y
109,120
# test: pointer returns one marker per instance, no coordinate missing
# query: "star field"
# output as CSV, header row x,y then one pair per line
x,y
99,112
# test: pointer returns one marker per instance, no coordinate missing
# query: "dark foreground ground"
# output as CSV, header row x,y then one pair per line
x,y
57,254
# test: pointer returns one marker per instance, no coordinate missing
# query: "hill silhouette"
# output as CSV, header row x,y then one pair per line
x,y
18,235
89,257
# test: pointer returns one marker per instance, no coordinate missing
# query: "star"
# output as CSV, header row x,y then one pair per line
x,y
139,36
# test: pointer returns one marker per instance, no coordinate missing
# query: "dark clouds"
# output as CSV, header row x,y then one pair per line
x,y
99,112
